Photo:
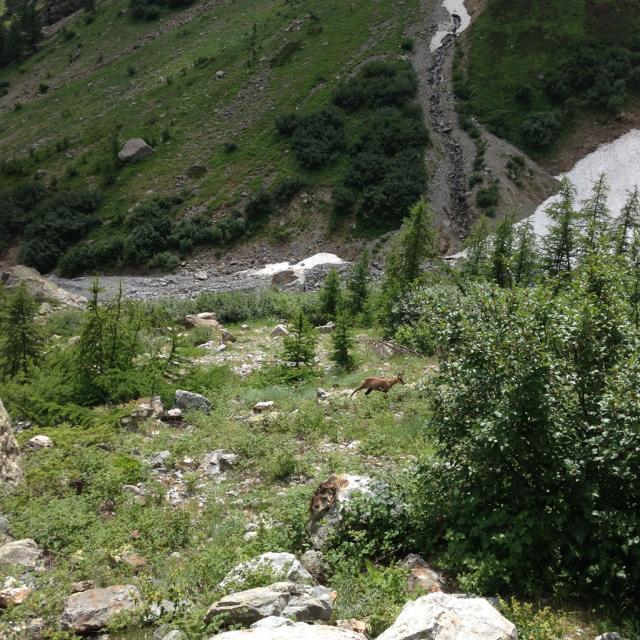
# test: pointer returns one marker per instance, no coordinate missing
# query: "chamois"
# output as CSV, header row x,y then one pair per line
x,y
378,384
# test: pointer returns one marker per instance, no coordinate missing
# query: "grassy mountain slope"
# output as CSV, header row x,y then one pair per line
x,y
537,70
110,76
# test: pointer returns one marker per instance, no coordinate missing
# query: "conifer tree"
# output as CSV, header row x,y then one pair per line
x,y
21,343
628,222
342,340
595,218
559,245
501,253
330,295
525,255
477,245
90,355
358,283
300,344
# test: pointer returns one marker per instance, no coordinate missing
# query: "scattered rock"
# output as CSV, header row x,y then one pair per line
x,y
216,462
279,330
286,599
440,616
423,576
189,400
227,336
134,150
259,407
201,274
146,409
281,566
13,593
220,74
314,562
20,553
205,319
10,471
40,287
157,460
244,327
40,442
172,415
330,327
298,631
92,610
83,585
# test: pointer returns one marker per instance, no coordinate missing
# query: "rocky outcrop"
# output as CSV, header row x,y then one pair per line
x,y
92,610
285,599
40,287
10,472
23,554
279,566
134,150
188,400
440,616
299,631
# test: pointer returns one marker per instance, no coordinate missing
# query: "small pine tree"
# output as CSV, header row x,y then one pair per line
x,y
90,355
22,343
358,284
628,222
477,245
525,257
330,295
560,242
300,344
595,218
502,251
342,341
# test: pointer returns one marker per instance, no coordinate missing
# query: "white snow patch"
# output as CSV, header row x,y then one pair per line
x,y
307,263
620,160
459,20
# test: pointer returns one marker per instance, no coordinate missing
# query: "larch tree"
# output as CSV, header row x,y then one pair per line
x,y
559,245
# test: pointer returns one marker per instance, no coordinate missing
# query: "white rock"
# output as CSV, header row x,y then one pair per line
x,y
259,407
40,442
20,553
272,622
201,274
281,566
441,616
279,330
219,461
298,631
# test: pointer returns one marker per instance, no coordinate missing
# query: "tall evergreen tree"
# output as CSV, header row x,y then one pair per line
x,y
21,343
525,256
300,344
342,340
627,222
595,218
559,245
330,295
477,244
358,283
501,253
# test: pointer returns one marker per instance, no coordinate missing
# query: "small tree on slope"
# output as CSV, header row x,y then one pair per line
x,y
300,344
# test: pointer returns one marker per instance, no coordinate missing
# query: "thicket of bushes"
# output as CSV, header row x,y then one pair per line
x,y
380,132
151,9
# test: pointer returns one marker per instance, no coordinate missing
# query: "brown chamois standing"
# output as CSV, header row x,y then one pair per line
x,y
379,384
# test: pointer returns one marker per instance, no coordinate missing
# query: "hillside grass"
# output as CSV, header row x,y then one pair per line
x,y
515,49
166,92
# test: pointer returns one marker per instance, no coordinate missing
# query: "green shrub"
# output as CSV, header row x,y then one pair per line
x,y
318,138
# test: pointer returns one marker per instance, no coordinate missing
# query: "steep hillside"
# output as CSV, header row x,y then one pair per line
x,y
203,86
543,74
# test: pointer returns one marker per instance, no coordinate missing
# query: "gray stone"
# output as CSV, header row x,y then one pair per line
x,y
201,274
13,592
92,610
20,553
219,461
157,461
205,319
134,150
259,407
284,599
272,622
314,562
299,631
279,330
440,616
422,575
279,566
40,287
188,400
10,471
40,442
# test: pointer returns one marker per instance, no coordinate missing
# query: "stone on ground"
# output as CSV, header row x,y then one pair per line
x,y
13,592
279,566
299,631
40,287
92,610
441,616
279,330
189,400
205,319
259,407
23,554
422,575
10,471
282,599
40,442
216,462
134,150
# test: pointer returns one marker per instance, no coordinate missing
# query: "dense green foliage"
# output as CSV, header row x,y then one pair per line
x,y
20,33
533,74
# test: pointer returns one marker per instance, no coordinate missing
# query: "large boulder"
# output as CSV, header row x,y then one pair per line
x,y
422,575
441,616
189,400
10,472
134,150
13,592
204,319
92,610
285,599
299,631
24,554
279,566
39,287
